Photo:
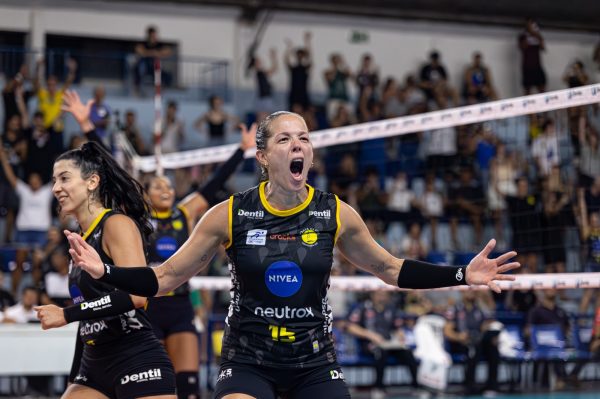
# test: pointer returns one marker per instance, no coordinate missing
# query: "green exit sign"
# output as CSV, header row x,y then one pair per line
x,y
357,36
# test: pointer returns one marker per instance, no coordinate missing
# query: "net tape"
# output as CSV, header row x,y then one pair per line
x,y
368,283
500,109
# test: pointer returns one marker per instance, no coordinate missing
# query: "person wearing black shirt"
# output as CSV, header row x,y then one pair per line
x,y
469,332
172,315
531,44
147,52
280,237
524,213
377,321
299,73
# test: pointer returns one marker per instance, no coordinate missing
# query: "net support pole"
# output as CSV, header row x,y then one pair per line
x,y
157,117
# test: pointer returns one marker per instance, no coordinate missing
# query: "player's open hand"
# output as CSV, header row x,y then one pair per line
x,y
485,271
84,255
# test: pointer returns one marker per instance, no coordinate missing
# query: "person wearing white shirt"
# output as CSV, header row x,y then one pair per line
x,y
22,312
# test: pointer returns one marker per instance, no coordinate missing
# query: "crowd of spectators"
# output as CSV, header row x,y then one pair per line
x,y
412,190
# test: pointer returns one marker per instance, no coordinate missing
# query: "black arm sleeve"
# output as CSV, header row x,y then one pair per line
x,y
112,304
421,275
76,358
141,281
223,173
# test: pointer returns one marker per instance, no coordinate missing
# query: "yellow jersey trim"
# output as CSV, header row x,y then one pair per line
x,y
337,219
287,212
230,222
161,215
94,224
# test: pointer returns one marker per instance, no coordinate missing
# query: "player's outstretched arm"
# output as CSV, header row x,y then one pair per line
x,y
358,246
191,258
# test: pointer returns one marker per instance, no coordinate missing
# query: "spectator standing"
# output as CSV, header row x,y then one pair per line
x,y
544,149
524,210
432,207
100,115
215,120
336,78
555,201
264,103
9,92
392,99
133,134
589,162
531,44
34,217
50,97
43,146
173,132
466,201
146,53
367,78
299,64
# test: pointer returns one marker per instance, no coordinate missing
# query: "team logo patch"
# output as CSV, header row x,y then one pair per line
x,y
256,237
283,278
150,375
459,274
321,214
282,237
177,225
310,237
251,214
225,374
166,246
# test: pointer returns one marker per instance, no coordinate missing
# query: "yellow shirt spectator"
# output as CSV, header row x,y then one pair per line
x,y
50,105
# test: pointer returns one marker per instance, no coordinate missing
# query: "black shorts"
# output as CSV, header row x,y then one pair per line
x,y
130,371
268,382
170,315
533,77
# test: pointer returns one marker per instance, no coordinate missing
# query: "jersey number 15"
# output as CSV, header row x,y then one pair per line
x,y
281,334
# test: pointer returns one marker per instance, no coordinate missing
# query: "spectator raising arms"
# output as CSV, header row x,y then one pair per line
x,y
299,72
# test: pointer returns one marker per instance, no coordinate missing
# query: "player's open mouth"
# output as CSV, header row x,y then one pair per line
x,y
296,167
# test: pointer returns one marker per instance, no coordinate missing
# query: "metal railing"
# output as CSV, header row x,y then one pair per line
x,y
193,78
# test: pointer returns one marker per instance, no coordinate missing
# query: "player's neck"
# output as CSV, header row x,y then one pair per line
x,y
283,199
87,214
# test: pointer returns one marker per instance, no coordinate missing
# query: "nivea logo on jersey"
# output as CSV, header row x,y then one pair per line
x,y
251,215
100,303
283,278
321,214
284,313
256,237
166,246
150,375
76,294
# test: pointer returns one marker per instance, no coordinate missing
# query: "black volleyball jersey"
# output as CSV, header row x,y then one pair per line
x,y
84,287
170,232
280,264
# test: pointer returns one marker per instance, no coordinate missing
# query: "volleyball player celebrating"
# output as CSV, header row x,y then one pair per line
x,y
172,315
121,357
280,237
